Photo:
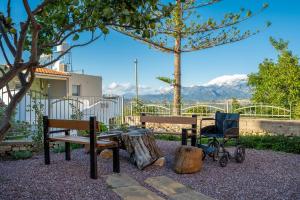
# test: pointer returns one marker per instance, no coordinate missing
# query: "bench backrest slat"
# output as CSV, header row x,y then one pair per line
x,y
69,124
168,120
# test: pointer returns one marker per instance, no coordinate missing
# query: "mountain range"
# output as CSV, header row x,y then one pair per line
x,y
220,88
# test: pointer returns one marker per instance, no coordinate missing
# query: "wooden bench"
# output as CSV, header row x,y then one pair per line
x,y
96,143
175,120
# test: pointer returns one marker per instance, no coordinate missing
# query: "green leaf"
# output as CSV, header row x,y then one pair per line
x,y
107,12
8,20
13,31
265,5
105,30
249,13
75,37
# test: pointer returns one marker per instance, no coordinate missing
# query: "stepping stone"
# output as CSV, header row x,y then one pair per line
x,y
120,180
129,189
136,193
175,190
166,185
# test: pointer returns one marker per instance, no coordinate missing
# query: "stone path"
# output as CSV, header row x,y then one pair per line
x,y
175,190
129,189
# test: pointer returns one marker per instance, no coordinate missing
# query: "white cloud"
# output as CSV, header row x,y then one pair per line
x,y
125,88
119,88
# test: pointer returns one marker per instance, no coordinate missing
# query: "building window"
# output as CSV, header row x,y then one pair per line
x,y
18,86
75,90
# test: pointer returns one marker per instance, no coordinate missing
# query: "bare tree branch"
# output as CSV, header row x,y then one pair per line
x,y
4,53
7,87
71,47
40,7
18,67
29,13
23,32
8,8
35,33
6,39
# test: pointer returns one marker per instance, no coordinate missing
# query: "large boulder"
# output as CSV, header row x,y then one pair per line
x,y
188,159
106,154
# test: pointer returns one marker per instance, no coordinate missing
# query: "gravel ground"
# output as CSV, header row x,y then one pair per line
x,y
263,175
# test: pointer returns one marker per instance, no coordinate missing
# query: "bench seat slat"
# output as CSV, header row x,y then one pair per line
x,y
169,120
83,140
70,124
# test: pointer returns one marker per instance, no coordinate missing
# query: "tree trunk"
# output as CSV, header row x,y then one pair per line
x,y
177,60
177,85
5,122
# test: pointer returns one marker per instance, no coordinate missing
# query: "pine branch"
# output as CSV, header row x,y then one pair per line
x,y
203,4
147,41
166,80
218,41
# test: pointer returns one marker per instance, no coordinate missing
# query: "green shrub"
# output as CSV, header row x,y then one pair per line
x,y
275,143
24,154
60,148
102,127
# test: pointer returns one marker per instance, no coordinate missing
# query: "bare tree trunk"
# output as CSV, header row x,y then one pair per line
x,y
177,61
5,121
177,85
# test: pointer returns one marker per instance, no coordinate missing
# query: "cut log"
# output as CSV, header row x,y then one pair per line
x,y
141,146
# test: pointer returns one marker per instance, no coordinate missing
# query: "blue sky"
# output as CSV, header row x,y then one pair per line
x,y
113,57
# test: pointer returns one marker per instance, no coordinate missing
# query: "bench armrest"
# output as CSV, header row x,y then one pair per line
x,y
59,131
189,129
114,135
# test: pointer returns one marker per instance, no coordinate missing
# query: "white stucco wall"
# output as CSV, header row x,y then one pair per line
x,y
89,85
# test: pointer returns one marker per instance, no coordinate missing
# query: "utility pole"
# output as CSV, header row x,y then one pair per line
x,y
136,81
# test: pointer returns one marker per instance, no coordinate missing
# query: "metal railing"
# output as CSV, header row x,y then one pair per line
x,y
264,111
109,111
246,109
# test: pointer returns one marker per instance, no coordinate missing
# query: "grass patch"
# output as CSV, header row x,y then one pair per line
x,y
60,148
267,142
276,143
24,154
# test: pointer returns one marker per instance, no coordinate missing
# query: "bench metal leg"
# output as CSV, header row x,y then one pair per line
x,y
68,150
93,160
193,140
184,137
46,141
93,150
116,160
47,152
68,147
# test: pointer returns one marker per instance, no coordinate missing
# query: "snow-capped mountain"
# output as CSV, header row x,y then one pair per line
x,y
220,88
230,80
